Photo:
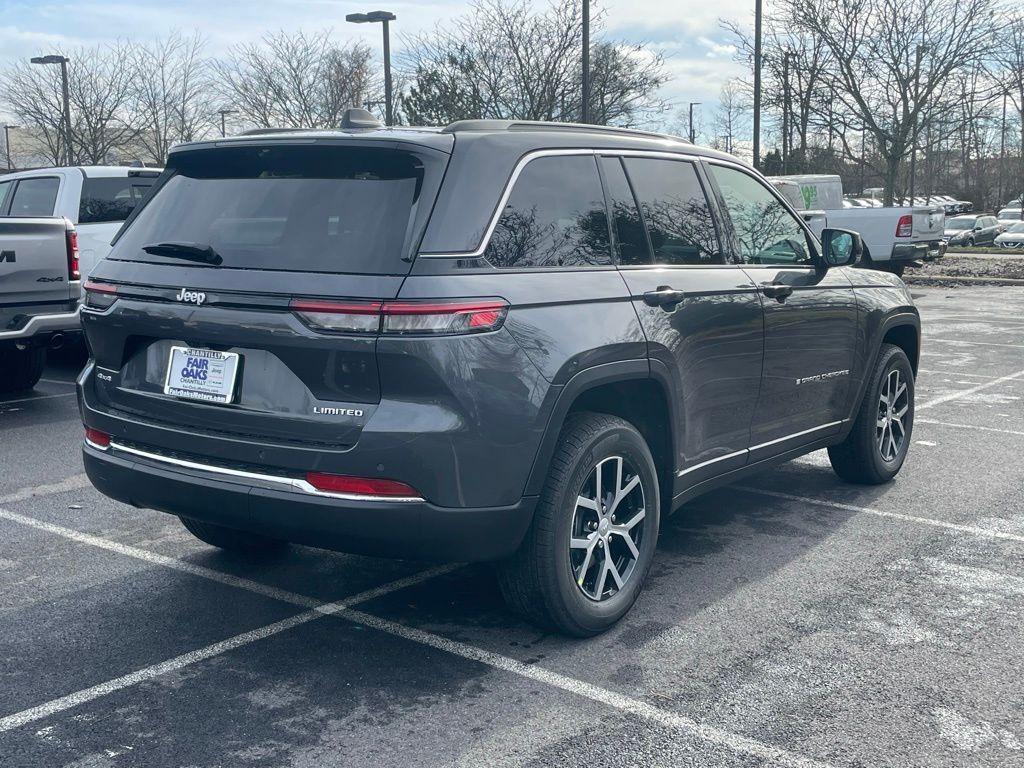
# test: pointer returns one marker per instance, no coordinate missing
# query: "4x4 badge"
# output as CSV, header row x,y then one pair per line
x,y
193,297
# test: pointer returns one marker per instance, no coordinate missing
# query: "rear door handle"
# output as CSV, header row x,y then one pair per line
x,y
665,296
776,290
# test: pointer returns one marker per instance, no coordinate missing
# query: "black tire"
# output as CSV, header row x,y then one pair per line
x,y
859,459
897,269
22,368
231,539
538,581
969,242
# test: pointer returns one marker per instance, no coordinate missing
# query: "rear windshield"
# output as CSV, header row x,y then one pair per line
x,y
112,198
960,223
299,208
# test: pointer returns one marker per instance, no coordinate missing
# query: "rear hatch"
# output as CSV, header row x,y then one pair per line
x,y
204,313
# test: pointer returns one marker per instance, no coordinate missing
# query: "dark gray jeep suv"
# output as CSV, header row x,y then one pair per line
x,y
503,341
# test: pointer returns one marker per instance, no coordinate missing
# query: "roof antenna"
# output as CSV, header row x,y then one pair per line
x,y
355,118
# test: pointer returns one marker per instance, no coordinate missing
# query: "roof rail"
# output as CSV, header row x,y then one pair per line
x,y
265,131
539,125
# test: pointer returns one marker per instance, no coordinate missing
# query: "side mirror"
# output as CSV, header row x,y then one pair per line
x,y
841,247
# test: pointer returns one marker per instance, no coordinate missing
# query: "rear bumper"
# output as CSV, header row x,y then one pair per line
x,y
406,529
44,326
922,251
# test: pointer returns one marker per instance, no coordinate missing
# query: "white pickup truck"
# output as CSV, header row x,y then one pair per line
x,y
95,199
55,226
894,238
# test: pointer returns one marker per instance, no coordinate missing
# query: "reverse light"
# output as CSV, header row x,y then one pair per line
x,y
99,295
97,439
360,486
905,226
71,243
403,317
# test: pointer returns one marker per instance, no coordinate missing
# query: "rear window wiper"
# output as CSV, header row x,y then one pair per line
x,y
186,251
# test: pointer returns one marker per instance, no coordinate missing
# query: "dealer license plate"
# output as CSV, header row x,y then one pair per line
x,y
202,374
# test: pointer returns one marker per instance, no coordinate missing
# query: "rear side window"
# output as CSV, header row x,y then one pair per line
x,y
321,208
630,236
111,199
675,210
555,217
35,197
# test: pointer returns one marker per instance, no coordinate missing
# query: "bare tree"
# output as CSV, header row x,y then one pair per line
x,y
729,121
296,80
892,62
1010,58
506,60
99,88
172,96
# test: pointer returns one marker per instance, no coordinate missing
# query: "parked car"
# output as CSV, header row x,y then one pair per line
x,y
520,342
971,230
1013,237
1008,216
39,289
95,199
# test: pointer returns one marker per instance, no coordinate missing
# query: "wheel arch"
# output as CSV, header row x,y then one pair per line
x,y
635,390
901,327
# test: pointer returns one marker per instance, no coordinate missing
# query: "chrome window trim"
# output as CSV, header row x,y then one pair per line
x,y
528,158
291,482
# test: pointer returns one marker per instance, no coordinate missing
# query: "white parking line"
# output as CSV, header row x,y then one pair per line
x,y
972,529
975,343
969,426
59,381
72,483
78,698
970,391
946,372
629,705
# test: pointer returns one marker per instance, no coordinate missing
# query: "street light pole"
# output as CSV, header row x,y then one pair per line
x,y
223,122
585,109
63,61
757,84
785,108
384,17
1002,148
913,128
693,104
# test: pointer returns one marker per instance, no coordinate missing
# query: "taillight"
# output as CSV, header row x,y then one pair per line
x,y
99,295
71,241
905,226
97,439
360,486
402,317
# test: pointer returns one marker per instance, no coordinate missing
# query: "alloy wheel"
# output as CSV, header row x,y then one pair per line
x,y
607,528
893,405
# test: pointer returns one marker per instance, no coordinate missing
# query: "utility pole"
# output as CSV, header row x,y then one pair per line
x,y
585,109
1002,148
863,157
913,128
785,108
757,84
693,104
7,144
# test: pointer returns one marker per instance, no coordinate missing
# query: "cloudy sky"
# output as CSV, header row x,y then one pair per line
x,y
699,54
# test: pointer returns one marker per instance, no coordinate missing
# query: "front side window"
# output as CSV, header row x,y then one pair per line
x,y
35,197
767,232
675,210
555,217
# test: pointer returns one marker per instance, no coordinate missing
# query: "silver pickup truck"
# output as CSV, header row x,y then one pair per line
x,y
39,291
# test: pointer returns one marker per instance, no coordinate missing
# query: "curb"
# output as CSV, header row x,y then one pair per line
x,y
954,279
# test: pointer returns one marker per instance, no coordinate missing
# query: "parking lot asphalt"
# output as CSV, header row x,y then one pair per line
x,y
793,620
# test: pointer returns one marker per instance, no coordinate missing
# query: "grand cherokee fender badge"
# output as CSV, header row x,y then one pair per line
x,y
192,297
822,377
327,411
